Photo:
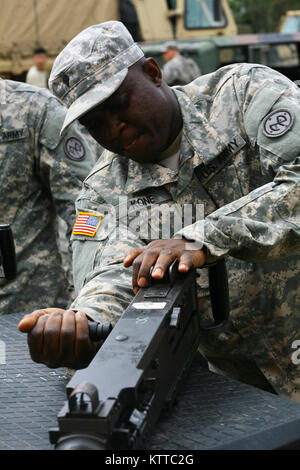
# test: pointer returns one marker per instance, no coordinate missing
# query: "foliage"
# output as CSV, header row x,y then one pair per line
x,y
262,15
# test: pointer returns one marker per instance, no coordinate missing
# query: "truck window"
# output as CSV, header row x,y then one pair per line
x,y
284,55
200,14
172,4
291,25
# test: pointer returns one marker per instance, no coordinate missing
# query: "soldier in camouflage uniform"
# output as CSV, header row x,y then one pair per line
x,y
228,142
178,69
41,175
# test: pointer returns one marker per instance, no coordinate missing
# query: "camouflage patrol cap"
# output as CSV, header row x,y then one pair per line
x,y
92,67
170,45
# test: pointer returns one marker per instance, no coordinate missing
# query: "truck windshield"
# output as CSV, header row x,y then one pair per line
x,y
201,14
291,25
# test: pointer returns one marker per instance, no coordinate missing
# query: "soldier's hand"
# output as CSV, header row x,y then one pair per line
x,y
160,254
59,338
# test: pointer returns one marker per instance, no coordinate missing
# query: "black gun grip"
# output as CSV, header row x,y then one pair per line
x,y
8,253
98,332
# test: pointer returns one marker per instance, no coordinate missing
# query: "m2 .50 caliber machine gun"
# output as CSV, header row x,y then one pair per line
x,y
114,402
8,263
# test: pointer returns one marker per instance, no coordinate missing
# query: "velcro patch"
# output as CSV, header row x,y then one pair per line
x,y
74,149
87,224
278,123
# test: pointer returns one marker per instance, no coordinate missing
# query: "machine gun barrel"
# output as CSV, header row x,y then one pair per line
x,y
115,401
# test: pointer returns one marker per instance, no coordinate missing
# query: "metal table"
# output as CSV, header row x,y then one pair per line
x,y
213,412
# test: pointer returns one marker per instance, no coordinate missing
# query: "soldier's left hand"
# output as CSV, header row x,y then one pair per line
x,y
160,254
59,338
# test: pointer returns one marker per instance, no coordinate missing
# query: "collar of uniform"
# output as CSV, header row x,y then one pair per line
x,y
173,148
147,175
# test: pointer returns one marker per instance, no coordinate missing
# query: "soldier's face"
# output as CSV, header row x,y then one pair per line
x,y
170,54
140,119
40,61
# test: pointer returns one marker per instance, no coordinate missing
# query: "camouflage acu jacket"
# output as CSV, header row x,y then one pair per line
x,y
240,164
41,176
180,70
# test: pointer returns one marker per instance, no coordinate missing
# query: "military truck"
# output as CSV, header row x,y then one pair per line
x,y
290,22
26,24
203,29
213,48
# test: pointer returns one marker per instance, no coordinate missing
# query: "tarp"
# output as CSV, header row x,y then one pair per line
x,y
25,24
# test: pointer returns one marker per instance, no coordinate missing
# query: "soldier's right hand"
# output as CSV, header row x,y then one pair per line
x,y
58,338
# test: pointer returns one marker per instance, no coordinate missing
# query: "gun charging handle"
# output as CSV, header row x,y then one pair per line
x,y
8,253
219,293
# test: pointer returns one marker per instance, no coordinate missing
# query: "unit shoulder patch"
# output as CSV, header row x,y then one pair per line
x,y
74,149
278,123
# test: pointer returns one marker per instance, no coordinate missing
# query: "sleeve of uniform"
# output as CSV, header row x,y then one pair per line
x,y
265,224
103,285
64,162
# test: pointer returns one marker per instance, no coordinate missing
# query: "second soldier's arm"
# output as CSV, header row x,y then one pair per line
x,y
57,337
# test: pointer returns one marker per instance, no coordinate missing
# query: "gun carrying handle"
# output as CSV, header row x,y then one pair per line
x,y
219,293
218,287
219,296
8,253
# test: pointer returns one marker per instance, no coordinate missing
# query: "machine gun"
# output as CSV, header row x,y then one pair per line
x,y
8,263
114,402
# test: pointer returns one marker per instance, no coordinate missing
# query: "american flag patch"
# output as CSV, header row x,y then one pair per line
x,y
87,224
